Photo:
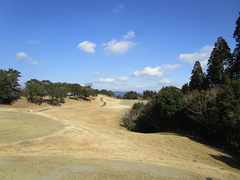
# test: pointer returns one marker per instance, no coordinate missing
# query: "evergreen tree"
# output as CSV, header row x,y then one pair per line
x,y
197,78
236,54
185,88
57,93
35,91
148,94
9,87
220,56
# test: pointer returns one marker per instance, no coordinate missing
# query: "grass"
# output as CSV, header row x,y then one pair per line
x,y
93,133
15,109
15,126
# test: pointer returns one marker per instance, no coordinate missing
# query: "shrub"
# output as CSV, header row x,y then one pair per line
x,y
129,119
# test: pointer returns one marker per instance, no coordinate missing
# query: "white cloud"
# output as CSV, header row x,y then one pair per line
x,y
113,80
118,47
106,80
156,71
148,71
124,78
87,46
129,35
165,81
201,55
22,55
34,63
118,9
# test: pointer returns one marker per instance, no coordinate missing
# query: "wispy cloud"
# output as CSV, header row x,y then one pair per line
x,y
165,81
34,62
113,80
118,9
158,71
97,74
129,35
120,47
33,42
87,46
23,55
106,80
201,55
124,78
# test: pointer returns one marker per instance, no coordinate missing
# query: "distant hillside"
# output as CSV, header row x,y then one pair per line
x,y
121,93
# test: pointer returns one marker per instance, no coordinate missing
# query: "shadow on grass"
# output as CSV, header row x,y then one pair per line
x,y
230,161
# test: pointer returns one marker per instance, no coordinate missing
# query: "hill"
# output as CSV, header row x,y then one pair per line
x,y
122,93
119,93
93,144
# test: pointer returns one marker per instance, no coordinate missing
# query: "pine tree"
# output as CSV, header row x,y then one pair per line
x,y
197,78
185,89
220,57
235,66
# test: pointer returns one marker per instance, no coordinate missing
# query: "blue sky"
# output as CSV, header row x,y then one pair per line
x,y
114,44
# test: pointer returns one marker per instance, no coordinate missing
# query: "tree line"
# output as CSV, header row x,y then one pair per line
x,y
37,91
208,105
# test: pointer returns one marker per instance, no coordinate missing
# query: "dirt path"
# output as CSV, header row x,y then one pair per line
x,y
94,146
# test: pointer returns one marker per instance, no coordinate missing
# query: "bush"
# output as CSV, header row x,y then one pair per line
x,y
129,119
163,112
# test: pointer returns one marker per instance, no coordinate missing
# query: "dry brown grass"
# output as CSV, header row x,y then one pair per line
x,y
93,132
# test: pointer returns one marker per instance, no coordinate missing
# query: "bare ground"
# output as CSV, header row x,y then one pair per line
x,y
92,145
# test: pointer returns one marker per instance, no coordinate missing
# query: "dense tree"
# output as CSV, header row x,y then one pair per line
x,y
9,86
88,91
213,112
148,94
228,112
197,79
57,92
46,85
107,93
163,112
131,95
235,65
170,102
220,56
35,91
185,88
75,90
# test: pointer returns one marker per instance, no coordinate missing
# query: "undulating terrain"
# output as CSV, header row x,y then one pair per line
x,y
84,140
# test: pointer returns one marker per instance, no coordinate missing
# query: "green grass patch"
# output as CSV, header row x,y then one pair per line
x,y
18,126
